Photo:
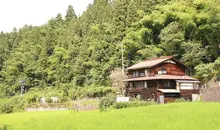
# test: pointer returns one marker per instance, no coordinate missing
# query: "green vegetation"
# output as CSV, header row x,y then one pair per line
x,y
107,102
81,51
136,103
181,116
65,98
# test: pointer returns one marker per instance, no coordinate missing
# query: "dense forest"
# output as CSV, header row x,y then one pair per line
x,y
79,51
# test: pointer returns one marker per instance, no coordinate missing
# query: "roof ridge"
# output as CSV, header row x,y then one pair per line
x,y
158,58
150,62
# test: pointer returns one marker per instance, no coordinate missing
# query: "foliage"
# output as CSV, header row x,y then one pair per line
x,y
6,108
14,104
207,71
136,103
49,100
83,50
106,102
194,53
180,100
91,92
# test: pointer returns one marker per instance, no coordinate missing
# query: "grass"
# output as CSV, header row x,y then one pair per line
x,y
177,116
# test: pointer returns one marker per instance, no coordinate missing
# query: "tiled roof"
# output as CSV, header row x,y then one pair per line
x,y
150,63
156,77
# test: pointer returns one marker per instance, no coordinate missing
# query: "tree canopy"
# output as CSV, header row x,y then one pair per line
x,y
83,50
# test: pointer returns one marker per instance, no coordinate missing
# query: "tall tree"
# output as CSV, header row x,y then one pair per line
x,y
70,14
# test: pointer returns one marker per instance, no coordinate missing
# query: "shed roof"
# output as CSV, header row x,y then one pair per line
x,y
169,90
152,62
156,77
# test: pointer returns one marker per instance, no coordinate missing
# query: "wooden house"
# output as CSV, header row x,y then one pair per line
x,y
161,79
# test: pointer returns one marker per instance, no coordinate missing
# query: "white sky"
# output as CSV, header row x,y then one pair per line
x,y
17,13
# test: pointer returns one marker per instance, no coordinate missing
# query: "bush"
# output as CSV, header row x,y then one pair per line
x,y
49,100
119,105
13,104
106,102
90,92
136,103
180,100
31,98
6,108
19,103
93,92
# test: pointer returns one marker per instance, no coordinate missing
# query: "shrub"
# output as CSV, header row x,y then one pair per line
x,y
6,108
90,92
106,102
19,103
136,103
180,100
31,98
119,105
93,92
13,104
49,100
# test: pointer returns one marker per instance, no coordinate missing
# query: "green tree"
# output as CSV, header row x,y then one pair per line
x,y
70,14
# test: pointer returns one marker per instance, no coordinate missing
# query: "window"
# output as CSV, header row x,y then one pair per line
x,y
163,70
186,85
141,73
166,83
135,74
171,95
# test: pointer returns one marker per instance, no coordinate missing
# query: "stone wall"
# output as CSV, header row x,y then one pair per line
x,y
211,94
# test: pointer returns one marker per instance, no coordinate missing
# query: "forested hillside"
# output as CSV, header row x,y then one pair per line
x,y
71,51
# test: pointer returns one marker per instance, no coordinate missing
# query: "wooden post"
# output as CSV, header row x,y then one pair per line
x,y
177,85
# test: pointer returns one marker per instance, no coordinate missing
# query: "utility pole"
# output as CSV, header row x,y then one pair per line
x,y
22,86
122,58
123,67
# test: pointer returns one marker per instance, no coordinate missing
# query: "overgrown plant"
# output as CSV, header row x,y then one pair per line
x,y
181,100
136,103
106,102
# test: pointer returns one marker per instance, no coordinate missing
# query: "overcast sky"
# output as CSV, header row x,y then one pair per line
x,y
17,13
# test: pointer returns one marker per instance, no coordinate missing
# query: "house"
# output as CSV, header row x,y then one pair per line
x,y
161,79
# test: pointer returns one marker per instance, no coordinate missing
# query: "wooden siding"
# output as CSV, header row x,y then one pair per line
x,y
187,94
168,99
150,93
152,84
130,73
171,69
162,84
145,93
